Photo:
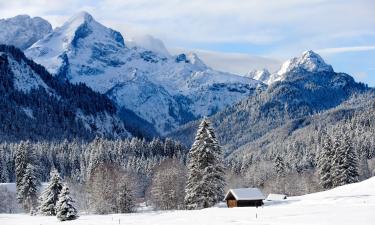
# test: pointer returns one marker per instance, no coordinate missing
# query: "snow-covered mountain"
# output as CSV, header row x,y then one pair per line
x,y
36,105
308,62
165,91
306,86
22,31
261,75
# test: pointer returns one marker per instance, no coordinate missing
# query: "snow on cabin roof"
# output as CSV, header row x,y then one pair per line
x,y
276,197
246,194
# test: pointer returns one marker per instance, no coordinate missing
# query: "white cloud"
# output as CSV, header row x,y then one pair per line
x,y
346,49
236,63
220,21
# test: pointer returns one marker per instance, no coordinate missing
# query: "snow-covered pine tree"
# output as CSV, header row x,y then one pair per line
x,y
280,174
65,209
325,162
21,160
28,191
3,166
280,166
205,184
51,194
125,199
345,168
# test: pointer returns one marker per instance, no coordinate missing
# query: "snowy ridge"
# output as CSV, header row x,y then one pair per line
x,y
261,75
167,91
22,31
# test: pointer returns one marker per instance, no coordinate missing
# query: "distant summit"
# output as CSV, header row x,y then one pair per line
x,y
22,31
309,62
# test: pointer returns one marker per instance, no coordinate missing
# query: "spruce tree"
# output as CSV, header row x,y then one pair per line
x,y
345,168
21,160
28,192
325,162
51,194
205,184
65,209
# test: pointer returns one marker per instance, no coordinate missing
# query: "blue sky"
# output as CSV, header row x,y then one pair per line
x,y
342,31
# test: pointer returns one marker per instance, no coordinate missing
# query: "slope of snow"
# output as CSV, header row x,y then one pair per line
x,y
25,79
346,205
164,90
22,31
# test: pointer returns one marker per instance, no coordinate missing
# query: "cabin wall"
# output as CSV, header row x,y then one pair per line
x,y
247,203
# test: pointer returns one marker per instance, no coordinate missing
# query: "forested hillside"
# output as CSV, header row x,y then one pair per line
x,y
38,106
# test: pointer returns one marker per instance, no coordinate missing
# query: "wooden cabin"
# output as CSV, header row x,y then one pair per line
x,y
244,197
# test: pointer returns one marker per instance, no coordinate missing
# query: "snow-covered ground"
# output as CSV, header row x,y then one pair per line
x,y
350,204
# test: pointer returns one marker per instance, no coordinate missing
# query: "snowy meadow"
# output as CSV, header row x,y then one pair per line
x,y
345,205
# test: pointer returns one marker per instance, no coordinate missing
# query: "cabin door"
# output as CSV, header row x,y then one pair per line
x,y
232,203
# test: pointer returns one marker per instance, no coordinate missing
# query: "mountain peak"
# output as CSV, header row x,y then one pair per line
x,y
81,17
261,75
309,61
22,31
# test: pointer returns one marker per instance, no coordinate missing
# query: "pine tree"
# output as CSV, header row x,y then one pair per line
x,y
51,194
3,166
21,160
280,166
345,168
325,162
28,192
205,184
280,174
64,207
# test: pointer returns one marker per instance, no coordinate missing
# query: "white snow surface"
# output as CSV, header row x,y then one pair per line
x,y
276,197
346,205
150,82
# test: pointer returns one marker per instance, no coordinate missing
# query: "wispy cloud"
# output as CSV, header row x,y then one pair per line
x,y
237,63
346,49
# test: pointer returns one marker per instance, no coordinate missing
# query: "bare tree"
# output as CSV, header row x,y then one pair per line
x,y
167,189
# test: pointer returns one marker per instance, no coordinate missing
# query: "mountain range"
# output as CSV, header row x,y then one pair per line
x,y
148,92
159,90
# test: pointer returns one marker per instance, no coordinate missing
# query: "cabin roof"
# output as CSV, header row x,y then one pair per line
x,y
246,194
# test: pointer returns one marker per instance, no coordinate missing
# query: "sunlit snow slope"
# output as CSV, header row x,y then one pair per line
x,y
350,204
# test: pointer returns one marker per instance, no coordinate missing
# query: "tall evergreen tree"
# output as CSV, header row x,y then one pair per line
x,y
51,194
21,160
205,184
325,162
3,167
65,209
28,192
27,182
345,169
